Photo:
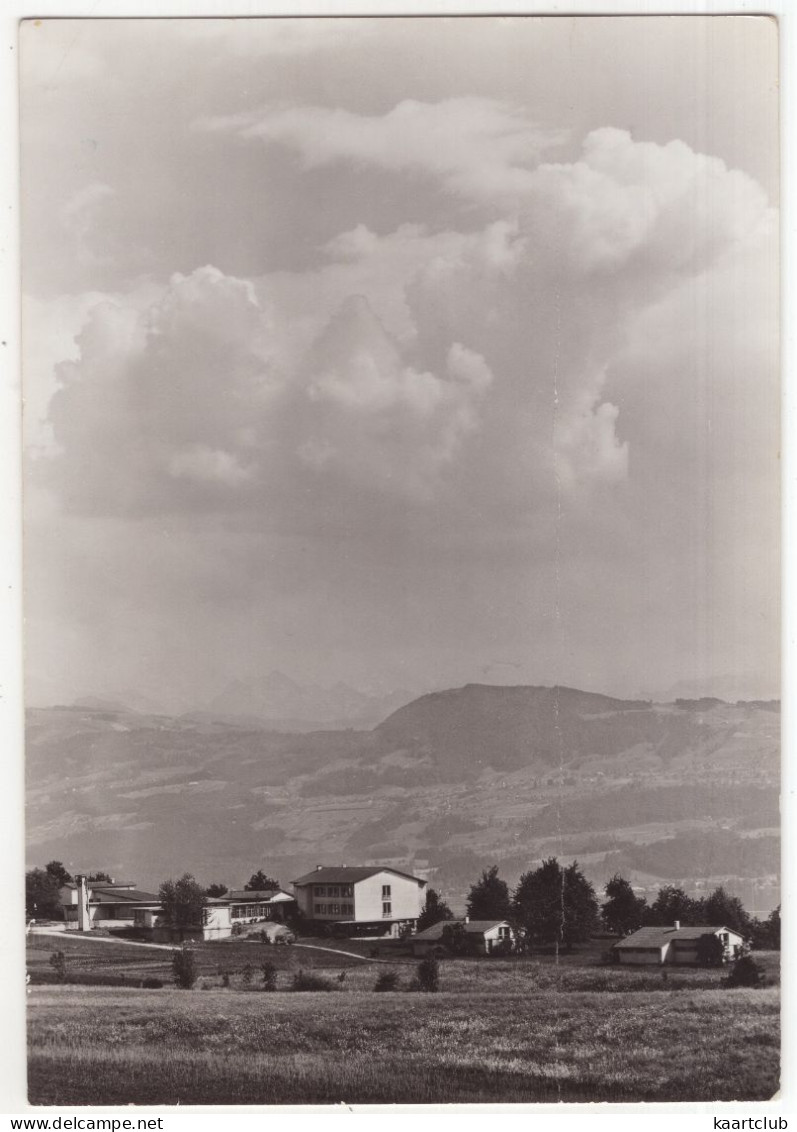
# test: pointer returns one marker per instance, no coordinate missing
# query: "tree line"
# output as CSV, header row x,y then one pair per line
x,y
182,900
556,906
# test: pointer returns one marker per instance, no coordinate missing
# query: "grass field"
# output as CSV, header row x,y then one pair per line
x,y
499,1030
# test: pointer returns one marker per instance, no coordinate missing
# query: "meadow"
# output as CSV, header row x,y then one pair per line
x,y
509,1030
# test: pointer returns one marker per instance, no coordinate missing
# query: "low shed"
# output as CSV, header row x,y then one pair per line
x,y
674,944
484,936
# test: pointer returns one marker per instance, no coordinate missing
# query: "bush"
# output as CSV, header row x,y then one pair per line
x,y
269,977
246,975
745,973
387,981
58,964
710,951
184,968
429,975
152,984
306,981
225,979
455,939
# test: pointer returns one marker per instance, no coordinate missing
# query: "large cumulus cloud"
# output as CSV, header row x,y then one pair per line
x,y
476,370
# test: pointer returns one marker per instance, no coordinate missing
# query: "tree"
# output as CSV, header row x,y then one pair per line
x,y
488,899
58,964
433,911
673,904
744,973
183,902
723,910
269,972
184,968
260,882
59,873
773,929
429,974
710,951
455,939
216,890
623,911
556,905
99,877
387,981
42,895
765,935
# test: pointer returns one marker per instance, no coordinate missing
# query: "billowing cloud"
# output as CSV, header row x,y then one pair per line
x,y
666,205
243,387
489,404
370,415
162,397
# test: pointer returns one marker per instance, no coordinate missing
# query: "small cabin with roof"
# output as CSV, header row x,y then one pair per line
x,y
485,937
674,944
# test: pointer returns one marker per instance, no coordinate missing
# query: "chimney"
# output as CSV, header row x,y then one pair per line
x,y
83,918
467,918
677,925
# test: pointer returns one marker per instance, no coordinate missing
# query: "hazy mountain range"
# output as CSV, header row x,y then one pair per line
x,y
280,699
448,783
275,699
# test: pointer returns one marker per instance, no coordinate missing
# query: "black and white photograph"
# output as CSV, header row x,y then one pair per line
x,y
402,542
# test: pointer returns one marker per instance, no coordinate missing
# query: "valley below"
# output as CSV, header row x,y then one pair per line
x,y
455,781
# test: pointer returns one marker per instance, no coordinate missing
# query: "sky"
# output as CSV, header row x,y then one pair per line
x,y
403,352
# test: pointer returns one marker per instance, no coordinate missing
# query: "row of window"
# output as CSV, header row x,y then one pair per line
x,y
246,911
333,890
333,909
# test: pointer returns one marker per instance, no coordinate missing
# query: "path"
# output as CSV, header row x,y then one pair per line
x,y
102,939
170,947
339,951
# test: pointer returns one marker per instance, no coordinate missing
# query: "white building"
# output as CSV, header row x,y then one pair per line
x,y
485,937
370,899
92,904
674,944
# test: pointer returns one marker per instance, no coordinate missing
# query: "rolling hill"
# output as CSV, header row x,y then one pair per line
x,y
447,784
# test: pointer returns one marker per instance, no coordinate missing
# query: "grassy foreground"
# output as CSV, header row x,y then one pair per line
x,y
497,1032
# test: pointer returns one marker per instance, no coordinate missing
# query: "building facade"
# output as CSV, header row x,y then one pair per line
x,y
104,904
91,904
362,899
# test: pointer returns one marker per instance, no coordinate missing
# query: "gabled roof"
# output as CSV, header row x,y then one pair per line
x,y
657,937
472,927
350,874
258,894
